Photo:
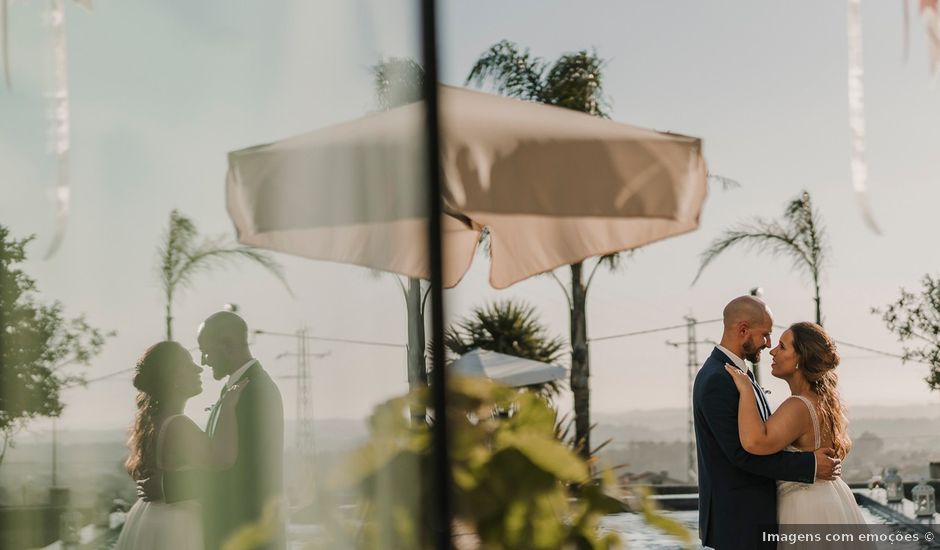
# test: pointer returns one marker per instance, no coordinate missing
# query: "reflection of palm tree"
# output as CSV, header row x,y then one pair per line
x,y
399,81
573,81
800,237
181,257
509,328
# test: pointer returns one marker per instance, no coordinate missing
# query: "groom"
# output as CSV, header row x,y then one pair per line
x,y
238,496
737,490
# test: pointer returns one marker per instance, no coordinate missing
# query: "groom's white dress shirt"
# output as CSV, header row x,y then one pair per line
x,y
232,380
235,376
762,404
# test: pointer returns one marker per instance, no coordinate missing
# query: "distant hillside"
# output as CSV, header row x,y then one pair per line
x,y
892,423
91,461
656,440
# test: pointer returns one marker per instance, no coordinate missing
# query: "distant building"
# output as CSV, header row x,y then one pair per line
x,y
650,478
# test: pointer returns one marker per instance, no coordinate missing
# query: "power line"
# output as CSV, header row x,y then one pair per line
x,y
599,339
326,339
675,327
650,331
98,379
869,350
265,333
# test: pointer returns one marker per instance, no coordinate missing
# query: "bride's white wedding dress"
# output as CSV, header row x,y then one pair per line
x,y
160,526
820,503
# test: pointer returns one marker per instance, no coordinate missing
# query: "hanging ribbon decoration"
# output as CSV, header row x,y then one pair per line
x,y
59,117
59,120
930,12
58,107
4,42
859,167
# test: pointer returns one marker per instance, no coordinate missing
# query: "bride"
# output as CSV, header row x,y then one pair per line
x,y
811,418
165,442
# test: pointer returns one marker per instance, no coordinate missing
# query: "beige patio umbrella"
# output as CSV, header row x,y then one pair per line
x,y
551,185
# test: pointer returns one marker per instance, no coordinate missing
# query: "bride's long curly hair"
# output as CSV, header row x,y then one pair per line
x,y
818,359
150,379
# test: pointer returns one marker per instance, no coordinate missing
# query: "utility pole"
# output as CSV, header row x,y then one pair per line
x,y
691,345
304,431
304,437
757,292
55,453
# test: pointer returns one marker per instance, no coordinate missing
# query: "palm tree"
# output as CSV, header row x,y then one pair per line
x,y
506,327
399,81
800,236
182,255
573,81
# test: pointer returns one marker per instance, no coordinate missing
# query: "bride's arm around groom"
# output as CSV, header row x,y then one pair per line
x,y
719,416
187,445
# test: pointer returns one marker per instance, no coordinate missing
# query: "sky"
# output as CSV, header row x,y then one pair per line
x,y
160,92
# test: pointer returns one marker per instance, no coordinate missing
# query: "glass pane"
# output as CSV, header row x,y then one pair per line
x,y
249,182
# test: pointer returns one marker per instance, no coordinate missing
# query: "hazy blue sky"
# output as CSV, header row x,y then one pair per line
x,y
161,91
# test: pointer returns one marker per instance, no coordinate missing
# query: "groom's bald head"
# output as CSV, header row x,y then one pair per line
x,y
746,309
748,324
227,325
223,342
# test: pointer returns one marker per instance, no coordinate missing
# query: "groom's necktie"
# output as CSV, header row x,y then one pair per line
x,y
762,404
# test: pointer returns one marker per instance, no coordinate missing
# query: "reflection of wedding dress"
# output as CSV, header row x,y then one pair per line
x,y
820,503
161,526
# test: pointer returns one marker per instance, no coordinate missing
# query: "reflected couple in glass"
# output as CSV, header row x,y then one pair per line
x,y
205,487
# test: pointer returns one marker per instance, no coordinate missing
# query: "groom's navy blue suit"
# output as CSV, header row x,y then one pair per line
x,y
736,490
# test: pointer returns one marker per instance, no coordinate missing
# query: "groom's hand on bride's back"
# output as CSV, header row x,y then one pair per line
x,y
150,489
828,466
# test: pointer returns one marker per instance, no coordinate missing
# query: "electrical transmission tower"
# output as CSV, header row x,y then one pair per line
x,y
304,437
691,346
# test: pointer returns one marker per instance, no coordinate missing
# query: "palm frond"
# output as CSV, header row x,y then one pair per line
x,y
805,222
398,81
599,448
213,254
504,327
486,243
764,237
613,262
726,183
176,245
510,71
575,81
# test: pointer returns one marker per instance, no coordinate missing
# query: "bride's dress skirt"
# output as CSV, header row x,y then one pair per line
x,y
829,506
162,526
823,502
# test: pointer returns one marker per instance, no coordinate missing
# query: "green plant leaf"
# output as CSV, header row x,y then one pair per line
x,y
548,454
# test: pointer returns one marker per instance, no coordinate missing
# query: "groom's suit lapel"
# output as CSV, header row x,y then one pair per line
x,y
214,415
762,405
719,356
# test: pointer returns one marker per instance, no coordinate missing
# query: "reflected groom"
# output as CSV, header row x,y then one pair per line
x,y
239,496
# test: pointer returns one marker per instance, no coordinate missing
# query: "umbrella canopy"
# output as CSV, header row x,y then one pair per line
x,y
506,369
553,186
